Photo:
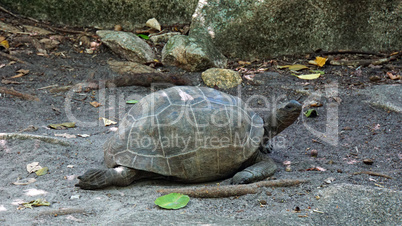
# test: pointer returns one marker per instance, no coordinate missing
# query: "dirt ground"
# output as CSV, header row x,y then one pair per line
x,y
347,131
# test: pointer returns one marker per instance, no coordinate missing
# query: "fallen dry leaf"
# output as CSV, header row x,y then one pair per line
x,y
25,181
319,61
108,122
295,67
393,77
33,167
309,76
244,62
95,104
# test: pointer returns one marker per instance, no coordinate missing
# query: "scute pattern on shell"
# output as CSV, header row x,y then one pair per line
x,y
192,133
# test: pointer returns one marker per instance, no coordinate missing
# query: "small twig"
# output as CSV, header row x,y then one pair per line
x,y
230,190
47,87
18,94
371,173
6,11
8,56
62,211
279,183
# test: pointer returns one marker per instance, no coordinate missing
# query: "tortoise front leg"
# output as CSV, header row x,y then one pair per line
x,y
100,178
263,168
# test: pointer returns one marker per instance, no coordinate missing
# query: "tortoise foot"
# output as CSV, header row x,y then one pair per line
x,y
93,179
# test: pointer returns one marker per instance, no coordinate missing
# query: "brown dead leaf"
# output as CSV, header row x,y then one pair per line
x,y
95,104
393,77
49,43
21,73
316,169
244,62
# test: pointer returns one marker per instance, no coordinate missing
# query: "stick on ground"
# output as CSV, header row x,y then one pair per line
x,y
8,56
230,190
18,94
371,173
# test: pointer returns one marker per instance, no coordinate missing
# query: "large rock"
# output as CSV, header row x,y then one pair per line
x,y
127,45
106,14
221,78
195,52
259,29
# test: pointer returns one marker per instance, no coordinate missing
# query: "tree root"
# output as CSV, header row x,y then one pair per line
x,y
230,190
18,94
371,173
51,140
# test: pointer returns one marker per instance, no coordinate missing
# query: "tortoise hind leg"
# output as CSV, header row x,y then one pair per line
x,y
100,178
264,167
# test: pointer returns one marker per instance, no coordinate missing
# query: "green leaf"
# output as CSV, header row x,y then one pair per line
x,y
42,171
311,113
143,36
172,201
318,71
132,101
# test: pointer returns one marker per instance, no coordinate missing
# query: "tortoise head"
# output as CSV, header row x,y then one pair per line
x,y
282,117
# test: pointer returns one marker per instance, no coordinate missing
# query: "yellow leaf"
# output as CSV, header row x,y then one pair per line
x,y
309,76
297,67
5,44
283,67
319,61
108,122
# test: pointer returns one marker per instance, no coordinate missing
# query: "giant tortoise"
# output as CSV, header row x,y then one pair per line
x,y
190,134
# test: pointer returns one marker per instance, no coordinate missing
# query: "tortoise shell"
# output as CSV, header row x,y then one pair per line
x,y
194,134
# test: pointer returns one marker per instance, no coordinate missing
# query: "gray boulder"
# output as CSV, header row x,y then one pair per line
x,y
127,45
195,52
260,29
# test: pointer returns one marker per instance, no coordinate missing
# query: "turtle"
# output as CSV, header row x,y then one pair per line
x,y
191,134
